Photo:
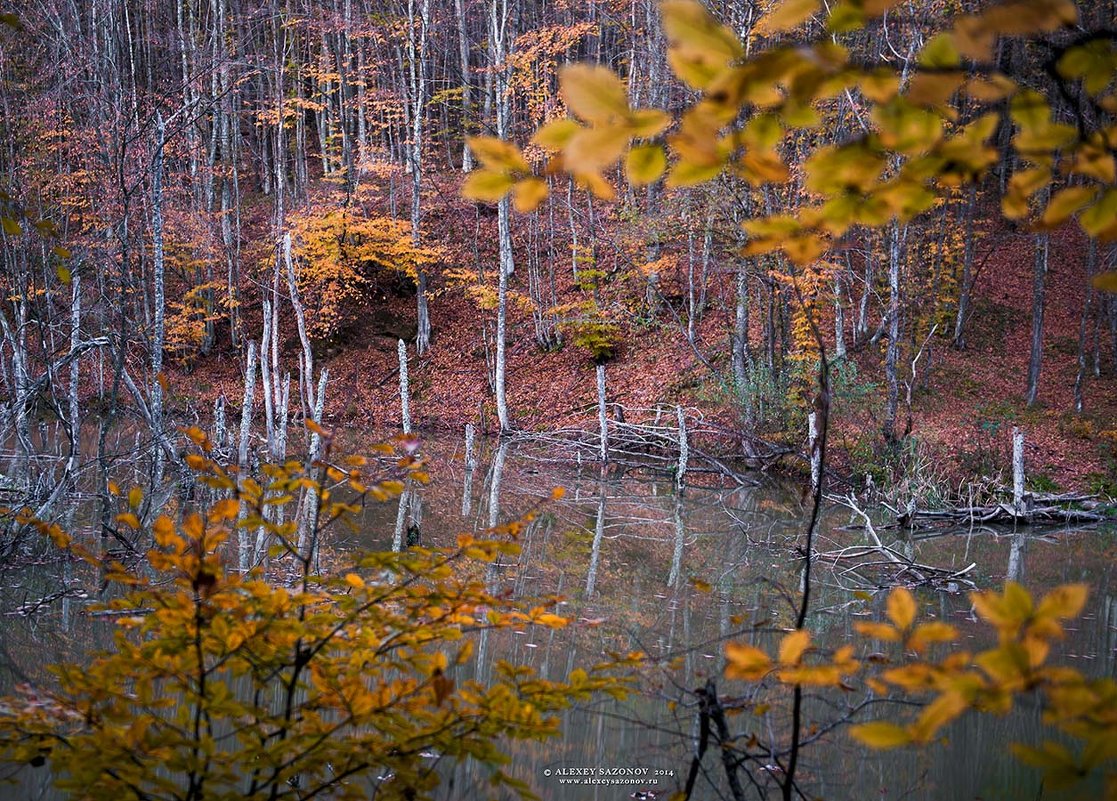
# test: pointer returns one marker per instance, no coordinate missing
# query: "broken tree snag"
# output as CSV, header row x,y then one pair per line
x,y
812,446
602,418
684,448
405,409
470,461
1018,500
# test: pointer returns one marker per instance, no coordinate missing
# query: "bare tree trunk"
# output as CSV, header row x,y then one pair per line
x,y
892,352
417,64
498,19
159,334
967,273
74,411
741,356
1087,308
1039,281
306,361
1018,471
242,449
404,390
467,84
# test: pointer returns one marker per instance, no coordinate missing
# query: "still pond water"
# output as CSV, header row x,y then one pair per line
x,y
646,568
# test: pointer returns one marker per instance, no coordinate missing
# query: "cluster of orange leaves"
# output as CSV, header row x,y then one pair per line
x,y
988,682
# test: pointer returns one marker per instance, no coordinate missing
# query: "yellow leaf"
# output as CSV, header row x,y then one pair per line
x,y
989,89
933,89
224,509
878,631
315,428
10,226
164,531
645,164
761,167
1065,601
596,183
1024,17
793,646
937,714
689,25
550,620
528,194
594,93
486,185
700,47
498,155
686,173
354,581
649,122
940,52
763,131
594,149
1018,601
129,519
1106,282
931,632
1066,202
787,15
880,85
916,676
805,248
746,662
135,497
1007,665
881,735
65,277
901,607
556,134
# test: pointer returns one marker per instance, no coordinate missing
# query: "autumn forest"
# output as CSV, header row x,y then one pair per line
x,y
390,387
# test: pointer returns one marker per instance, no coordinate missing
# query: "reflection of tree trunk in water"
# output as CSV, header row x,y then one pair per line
x,y
680,537
1015,571
598,535
401,517
467,491
1109,633
470,464
497,475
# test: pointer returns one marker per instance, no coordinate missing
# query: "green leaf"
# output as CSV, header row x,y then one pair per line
x,y
11,227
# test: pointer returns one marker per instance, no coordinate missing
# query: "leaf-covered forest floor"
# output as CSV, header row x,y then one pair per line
x,y
964,403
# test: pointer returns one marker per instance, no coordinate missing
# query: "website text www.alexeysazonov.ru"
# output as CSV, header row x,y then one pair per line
x,y
609,775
